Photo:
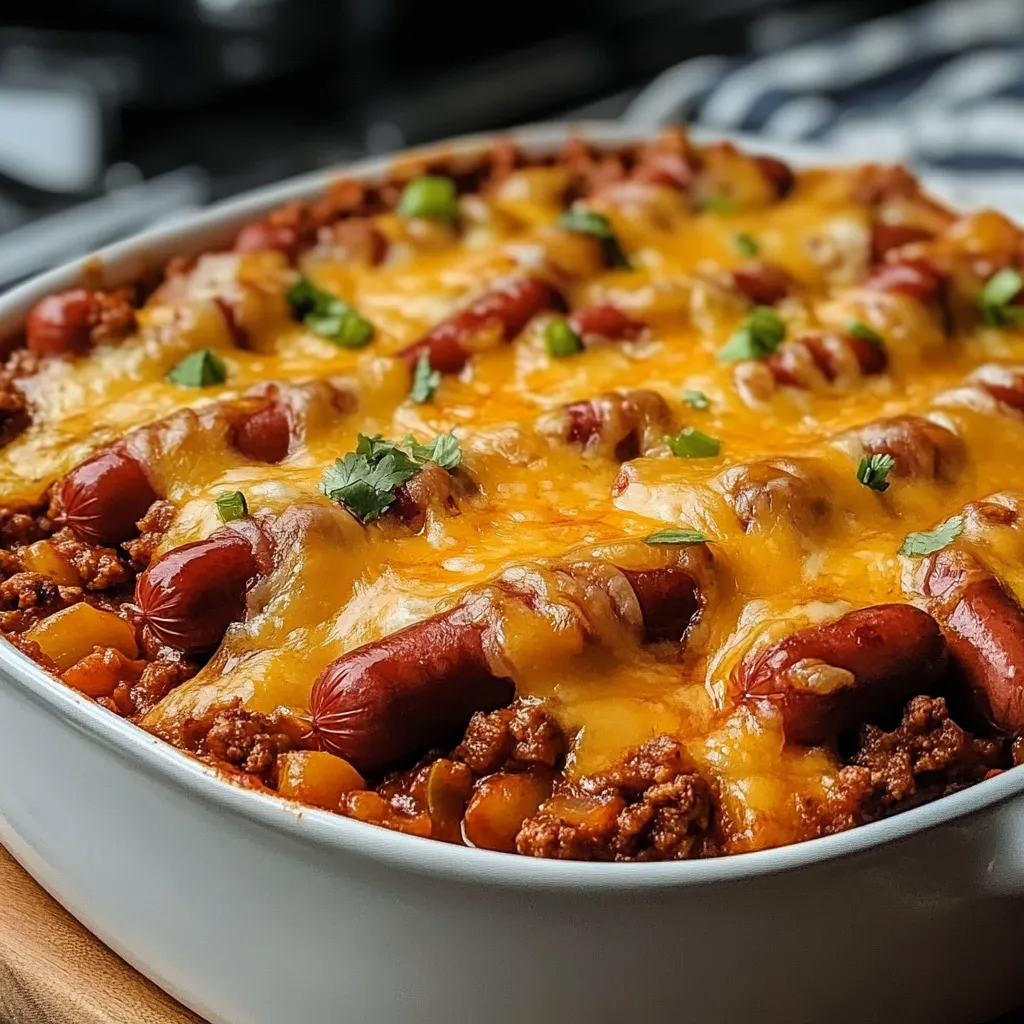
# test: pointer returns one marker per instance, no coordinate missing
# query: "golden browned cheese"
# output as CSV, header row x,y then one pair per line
x,y
345,584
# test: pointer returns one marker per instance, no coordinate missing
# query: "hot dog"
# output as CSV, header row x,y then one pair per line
x,y
763,283
801,362
922,448
605,323
394,698
765,494
984,627
623,425
505,311
827,679
69,323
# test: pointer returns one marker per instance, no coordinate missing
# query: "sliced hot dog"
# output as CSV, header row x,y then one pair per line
x,y
105,496
605,323
922,449
505,310
624,424
795,363
71,322
827,679
984,627
393,699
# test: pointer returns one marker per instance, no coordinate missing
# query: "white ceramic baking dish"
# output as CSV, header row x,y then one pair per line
x,y
254,911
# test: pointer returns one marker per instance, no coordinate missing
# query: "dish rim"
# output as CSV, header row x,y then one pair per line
x,y
125,260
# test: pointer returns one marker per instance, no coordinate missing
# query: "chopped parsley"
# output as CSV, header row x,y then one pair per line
x,y
675,537
759,335
425,381
928,542
746,245
365,481
873,470
561,340
597,225
231,506
696,399
328,316
692,444
199,370
996,299
858,329
431,197
720,204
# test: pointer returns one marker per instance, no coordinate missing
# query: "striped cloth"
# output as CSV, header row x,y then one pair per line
x,y
940,88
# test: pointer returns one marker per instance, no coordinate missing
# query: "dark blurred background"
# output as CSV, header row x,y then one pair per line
x,y
117,113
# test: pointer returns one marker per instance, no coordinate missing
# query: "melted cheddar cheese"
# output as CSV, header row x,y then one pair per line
x,y
342,584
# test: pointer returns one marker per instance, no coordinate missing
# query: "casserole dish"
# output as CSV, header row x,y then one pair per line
x,y
249,909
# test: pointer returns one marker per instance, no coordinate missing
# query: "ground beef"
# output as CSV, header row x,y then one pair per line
x,y
152,526
515,738
10,564
27,597
247,741
926,756
20,526
33,650
651,806
158,679
99,568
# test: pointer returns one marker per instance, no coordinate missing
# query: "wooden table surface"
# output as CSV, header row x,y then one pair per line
x,y
53,971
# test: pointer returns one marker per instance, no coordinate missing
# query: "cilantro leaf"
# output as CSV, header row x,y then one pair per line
x,y
720,204
760,335
927,542
444,450
692,444
873,470
328,316
746,245
858,329
597,225
425,381
199,370
996,299
696,399
675,537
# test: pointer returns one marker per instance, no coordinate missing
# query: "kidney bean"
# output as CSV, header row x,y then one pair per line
x,y
825,680
922,449
780,175
885,237
984,627
763,283
265,435
190,596
264,235
508,307
395,698
104,497
605,322
916,278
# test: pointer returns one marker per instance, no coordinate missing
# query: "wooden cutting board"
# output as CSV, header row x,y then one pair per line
x,y
53,971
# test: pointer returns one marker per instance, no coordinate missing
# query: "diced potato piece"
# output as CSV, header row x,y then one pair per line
x,y
71,634
43,557
499,806
316,777
98,674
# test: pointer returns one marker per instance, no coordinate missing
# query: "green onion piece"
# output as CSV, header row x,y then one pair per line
x,y
231,506
587,222
746,245
995,300
199,370
858,329
928,542
696,399
759,335
675,537
561,340
721,205
692,444
873,470
425,381
431,197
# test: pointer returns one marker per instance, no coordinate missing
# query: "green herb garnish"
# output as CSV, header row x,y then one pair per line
x,y
431,197
587,222
696,399
328,316
929,541
692,444
561,340
425,381
858,329
721,204
996,298
675,537
873,469
199,370
365,481
746,245
231,506
759,335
